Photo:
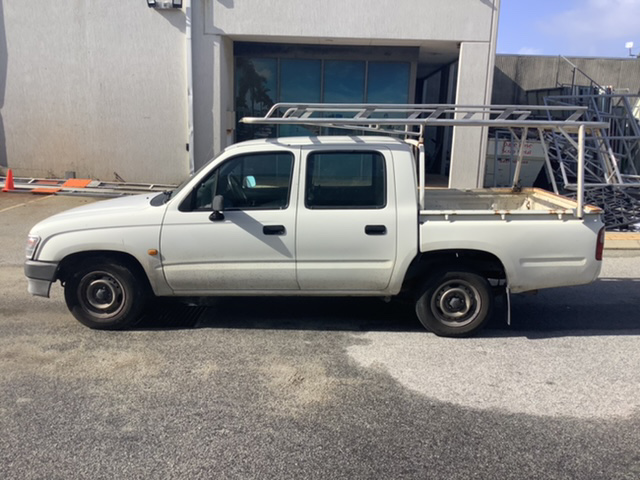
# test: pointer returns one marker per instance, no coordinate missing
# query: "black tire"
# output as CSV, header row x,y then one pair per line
x,y
105,295
455,303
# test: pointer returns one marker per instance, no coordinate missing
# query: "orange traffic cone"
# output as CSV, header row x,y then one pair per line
x,y
8,183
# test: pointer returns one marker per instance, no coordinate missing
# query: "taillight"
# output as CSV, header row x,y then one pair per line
x,y
600,245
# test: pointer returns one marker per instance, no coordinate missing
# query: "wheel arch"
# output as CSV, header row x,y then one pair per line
x,y
68,263
484,263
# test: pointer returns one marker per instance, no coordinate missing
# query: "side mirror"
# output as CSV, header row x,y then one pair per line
x,y
218,208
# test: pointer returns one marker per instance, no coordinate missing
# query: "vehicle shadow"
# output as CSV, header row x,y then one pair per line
x,y
283,313
609,306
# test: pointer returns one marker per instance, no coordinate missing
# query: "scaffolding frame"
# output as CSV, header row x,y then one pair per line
x,y
612,158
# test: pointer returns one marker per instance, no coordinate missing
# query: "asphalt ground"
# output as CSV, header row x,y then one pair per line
x,y
317,388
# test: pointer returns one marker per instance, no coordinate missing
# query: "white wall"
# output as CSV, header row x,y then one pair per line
x,y
471,23
468,154
95,87
99,87
396,20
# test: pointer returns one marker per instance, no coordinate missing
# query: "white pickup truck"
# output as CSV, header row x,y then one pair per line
x,y
315,216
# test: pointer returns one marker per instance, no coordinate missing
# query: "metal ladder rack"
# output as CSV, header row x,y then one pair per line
x,y
410,120
388,118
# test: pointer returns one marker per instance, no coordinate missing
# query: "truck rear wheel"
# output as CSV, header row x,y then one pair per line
x,y
105,295
455,303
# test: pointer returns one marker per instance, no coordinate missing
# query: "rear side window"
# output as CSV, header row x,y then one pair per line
x,y
345,180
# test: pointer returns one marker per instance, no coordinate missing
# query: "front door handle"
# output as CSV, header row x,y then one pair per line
x,y
274,230
375,230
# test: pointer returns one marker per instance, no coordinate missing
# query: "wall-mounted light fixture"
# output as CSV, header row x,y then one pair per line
x,y
163,4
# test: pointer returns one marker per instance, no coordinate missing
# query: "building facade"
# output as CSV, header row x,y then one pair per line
x,y
111,90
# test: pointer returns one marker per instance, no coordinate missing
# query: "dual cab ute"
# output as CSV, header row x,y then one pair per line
x,y
316,216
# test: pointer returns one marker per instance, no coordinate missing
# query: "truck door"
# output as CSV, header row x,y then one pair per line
x,y
346,227
253,247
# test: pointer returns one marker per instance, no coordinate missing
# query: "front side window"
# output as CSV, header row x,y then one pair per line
x,y
345,180
257,181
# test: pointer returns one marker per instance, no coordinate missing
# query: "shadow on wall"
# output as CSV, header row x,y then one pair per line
x,y
4,163
229,3
176,18
505,90
488,3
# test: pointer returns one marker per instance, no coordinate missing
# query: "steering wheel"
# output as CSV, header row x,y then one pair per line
x,y
234,186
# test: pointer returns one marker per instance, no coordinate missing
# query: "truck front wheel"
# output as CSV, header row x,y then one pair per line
x,y
105,296
454,303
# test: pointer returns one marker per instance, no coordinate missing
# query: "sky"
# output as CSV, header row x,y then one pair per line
x,y
584,28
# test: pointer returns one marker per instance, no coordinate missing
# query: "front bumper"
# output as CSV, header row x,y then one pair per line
x,y
40,276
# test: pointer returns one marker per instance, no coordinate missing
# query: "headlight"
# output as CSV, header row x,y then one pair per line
x,y
32,244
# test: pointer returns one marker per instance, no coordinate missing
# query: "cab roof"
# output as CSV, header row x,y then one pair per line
x,y
322,140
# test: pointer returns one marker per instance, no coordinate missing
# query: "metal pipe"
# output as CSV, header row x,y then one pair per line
x,y
422,175
189,49
547,162
581,135
516,176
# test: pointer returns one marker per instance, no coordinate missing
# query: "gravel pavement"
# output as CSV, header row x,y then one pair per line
x,y
317,388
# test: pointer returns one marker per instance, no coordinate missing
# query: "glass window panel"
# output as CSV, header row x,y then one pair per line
x,y
352,180
300,80
388,82
256,91
299,83
343,81
248,182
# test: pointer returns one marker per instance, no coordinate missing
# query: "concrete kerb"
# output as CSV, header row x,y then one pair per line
x,y
622,241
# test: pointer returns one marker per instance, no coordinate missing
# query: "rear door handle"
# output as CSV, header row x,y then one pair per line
x,y
274,230
375,230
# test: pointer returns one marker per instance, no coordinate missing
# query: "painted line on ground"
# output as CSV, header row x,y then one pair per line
x,y
25,203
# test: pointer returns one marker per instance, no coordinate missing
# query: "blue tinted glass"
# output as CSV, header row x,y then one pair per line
x,y
388,82
343,82
300,80
256,91
299,83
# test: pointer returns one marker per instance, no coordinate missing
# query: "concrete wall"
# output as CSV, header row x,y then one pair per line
x,y
97,88
368,20
100,88
469,143
516,74
470,23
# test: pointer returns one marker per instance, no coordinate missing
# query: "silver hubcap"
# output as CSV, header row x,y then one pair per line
x,y
456,303
101,294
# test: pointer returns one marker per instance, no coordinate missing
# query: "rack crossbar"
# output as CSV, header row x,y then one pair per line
x,y
340,115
